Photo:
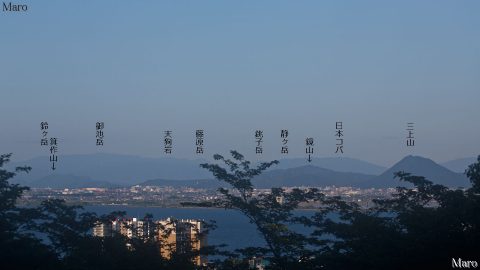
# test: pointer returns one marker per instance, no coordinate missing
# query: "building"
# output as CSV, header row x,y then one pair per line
x,y
174,236
102,230
181,236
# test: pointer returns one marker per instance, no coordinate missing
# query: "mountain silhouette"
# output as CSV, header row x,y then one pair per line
x,y
420,166
112,170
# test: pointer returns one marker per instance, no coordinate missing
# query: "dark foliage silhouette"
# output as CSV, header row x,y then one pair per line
x,y
423,227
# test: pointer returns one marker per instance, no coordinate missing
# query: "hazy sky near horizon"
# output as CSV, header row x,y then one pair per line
x,y
232,67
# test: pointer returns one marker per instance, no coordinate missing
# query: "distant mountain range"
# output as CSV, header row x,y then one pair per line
x,y
128,170
339,164
108,170
459,165
314,176
116,169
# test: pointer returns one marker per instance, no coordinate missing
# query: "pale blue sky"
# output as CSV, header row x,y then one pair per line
x,y
231,67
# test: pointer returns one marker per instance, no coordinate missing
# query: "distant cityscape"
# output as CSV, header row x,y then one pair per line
x,y
360,188
176,196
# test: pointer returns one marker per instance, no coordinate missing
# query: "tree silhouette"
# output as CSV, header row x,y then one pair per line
x,y
59,236
423,227
420,227
272,218
17,242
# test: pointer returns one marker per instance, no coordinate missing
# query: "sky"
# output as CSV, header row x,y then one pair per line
x,y
233,67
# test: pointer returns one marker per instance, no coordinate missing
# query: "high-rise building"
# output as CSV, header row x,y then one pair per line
x,y
174,236
181,236
102,230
